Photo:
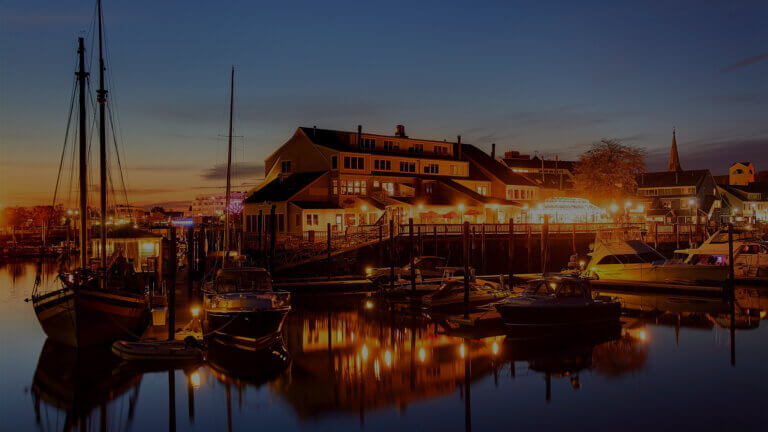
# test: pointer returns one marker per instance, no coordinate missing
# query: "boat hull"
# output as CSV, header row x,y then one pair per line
x,y
669,273
79,317
543,319
246,329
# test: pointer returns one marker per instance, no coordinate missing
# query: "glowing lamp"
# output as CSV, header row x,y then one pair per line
x,y
195,311
614,208
194,379
421,206
368,304
368,271
628,204
148,247
364,208
461,206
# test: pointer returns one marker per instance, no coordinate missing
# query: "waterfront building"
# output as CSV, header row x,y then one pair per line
x,y
747,202
212,205
677,195
553,176
349,179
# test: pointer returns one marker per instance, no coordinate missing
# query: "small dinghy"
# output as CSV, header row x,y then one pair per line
x,y
176,350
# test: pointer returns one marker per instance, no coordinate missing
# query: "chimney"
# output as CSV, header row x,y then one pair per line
x,y
493,151
400,131
359,132
458,146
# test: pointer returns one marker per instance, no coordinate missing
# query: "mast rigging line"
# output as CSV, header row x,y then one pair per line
x,y
66,138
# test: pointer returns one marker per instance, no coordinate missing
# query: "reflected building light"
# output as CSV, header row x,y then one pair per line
x,y
462,351
495,348
387,358
377,370
194,379
422,354
364,352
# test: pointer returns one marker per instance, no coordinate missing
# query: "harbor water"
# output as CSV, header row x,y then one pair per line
x,y
677,362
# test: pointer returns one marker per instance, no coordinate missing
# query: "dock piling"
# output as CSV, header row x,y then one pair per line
x,y
510,249
328,249
434,237
465,249
413,267
391,255
172,285
482,249
544,245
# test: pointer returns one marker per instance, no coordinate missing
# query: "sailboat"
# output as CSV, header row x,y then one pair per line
x,y
87,309
241,308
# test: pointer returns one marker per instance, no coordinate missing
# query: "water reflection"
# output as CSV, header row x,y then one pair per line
x,y
332,367
69,387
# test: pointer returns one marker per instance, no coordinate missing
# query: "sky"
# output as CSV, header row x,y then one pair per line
x,y
541,76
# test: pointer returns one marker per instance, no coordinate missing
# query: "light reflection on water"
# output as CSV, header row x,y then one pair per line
x,y
672,363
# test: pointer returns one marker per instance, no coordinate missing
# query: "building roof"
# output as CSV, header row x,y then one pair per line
x,y
672,179
340,141
315,205
493,166
283,188
752,188
536,163
743,163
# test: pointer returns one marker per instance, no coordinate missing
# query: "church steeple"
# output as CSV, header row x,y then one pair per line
x,y
674,158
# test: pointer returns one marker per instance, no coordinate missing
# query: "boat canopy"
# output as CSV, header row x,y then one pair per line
x,y
624,252
243,279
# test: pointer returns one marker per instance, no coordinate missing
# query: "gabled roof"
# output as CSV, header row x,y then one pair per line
x,y
536,163
340,141
283,189
672,179
315,205
496,168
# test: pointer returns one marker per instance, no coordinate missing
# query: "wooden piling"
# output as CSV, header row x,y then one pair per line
x,y
328,249
172,284
381,245
465,260
434,237
260,229
391,254
190,258
420,243
510,249
411,247
573,239
272,236
677,235
655,235
482,248
544,245
529,248
731,273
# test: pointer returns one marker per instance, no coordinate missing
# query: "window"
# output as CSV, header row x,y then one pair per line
x,y
482,190
334,162
335,187
431,169
338,219
353,187
441,150
285,166
408,167
383,165
428,188
391,146
417,148
368,143
353,162
455,170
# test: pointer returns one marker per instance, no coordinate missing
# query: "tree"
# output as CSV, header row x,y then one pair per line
x,y
609,170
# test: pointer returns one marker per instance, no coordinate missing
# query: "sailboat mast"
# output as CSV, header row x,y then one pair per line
x,y
81,76
102,99
229,159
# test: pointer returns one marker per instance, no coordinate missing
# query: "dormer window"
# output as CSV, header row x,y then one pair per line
x,y
368,143
285,167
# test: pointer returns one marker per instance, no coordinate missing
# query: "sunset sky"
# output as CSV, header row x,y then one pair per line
x,y
532,76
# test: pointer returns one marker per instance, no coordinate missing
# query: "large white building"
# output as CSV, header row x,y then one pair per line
x,y
213,204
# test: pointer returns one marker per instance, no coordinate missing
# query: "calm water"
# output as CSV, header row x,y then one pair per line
x,y
674,364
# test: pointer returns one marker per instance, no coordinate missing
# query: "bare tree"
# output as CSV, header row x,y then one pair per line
x,y
609,170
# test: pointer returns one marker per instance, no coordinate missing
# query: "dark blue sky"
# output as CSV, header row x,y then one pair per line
x,y
539,76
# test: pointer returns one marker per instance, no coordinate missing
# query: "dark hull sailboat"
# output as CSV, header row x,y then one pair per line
x,y
88,309
81,316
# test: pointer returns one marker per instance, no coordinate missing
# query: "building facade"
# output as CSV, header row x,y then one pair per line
x,y
347,179
554,177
